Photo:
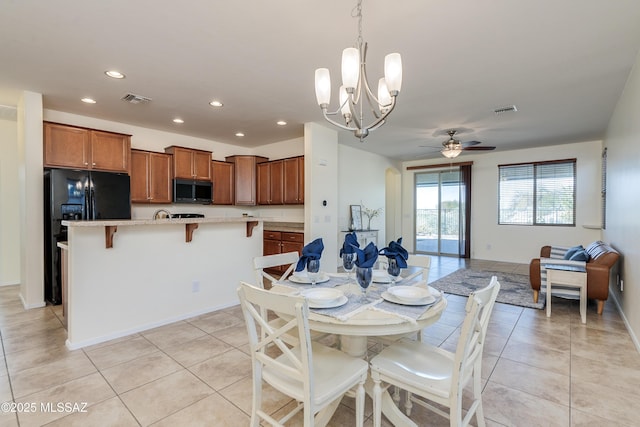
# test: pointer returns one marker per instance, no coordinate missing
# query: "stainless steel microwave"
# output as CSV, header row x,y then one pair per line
x,y
190,191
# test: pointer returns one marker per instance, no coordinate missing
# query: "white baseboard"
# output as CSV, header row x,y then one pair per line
x,y
634,338
146,327
30,306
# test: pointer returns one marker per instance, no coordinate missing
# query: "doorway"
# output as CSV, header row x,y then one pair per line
x,y
441,203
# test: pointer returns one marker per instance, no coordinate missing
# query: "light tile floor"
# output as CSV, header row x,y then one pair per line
x,y
537,371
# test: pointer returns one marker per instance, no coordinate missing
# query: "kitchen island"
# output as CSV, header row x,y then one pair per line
x,y
125,276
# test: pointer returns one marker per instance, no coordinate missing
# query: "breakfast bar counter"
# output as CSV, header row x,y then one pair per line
x,y
151,275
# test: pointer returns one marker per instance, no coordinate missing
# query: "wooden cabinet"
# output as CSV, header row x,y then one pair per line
x,y
222,176
293,185
189,163
73,147
150,177
276,242
270,183
245,178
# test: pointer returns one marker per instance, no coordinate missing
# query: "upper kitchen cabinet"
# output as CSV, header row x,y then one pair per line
x,y
222,175
270,183
294,180
73,147
189,163
150,177
245,178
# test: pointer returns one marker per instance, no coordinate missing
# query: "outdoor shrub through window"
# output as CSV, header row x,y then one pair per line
x,y
541,193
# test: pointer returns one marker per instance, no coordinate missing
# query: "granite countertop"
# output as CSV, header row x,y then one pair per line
x,y
292,227
164,221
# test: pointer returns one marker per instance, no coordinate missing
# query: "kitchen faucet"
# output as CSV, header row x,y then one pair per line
x,y
159,211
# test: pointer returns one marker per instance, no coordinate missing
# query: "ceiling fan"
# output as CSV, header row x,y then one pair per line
x,y
452,147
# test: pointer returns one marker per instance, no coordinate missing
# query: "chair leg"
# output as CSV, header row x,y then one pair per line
x,y
535,295
257,401
377,402
477,395
360,405
408,404
600,306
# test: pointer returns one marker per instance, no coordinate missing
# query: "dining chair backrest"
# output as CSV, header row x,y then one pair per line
x,y
312,374
260,263
473,333
423,263
254,301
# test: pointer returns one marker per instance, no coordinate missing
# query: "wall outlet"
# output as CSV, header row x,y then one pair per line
x,y
195,286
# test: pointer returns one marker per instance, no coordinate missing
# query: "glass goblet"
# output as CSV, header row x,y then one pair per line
x,y
393,270
313,270
348,263
364,276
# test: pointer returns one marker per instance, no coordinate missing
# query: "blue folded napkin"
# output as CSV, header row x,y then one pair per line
x,y
350,242
367,257
396,251
312,250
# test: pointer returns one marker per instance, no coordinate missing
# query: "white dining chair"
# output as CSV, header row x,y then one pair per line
x,y
260,263
311,373
433,374
422,263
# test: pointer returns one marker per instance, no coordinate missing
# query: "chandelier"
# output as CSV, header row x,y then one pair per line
x,y
355,90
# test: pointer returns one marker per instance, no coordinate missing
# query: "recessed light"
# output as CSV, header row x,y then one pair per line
x,y
239,134
178,120
215,103
281,123
88,100
115,74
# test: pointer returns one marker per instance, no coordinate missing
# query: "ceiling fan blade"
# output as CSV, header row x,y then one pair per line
x,y
481,148
470,143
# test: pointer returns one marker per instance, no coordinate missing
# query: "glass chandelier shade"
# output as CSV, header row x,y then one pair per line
x,y
358,104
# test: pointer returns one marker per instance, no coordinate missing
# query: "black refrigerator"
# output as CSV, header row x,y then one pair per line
x,y
77,195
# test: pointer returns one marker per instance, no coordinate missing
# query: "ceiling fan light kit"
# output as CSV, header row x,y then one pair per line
x,y
355,90
452,147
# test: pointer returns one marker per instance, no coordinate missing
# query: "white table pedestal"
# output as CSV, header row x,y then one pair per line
x,y
577,279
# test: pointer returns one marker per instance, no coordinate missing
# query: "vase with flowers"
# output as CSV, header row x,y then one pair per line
x,y
370,214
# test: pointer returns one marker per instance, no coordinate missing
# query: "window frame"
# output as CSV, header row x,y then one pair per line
x,y
535,166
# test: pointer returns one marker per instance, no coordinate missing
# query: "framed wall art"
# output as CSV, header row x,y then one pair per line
x,y
356,217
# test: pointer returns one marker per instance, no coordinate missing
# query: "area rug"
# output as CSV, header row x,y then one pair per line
x,y
514,288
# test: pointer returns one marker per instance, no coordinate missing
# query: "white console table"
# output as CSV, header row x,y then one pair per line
x,y
364,237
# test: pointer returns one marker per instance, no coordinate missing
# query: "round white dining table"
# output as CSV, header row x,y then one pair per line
x,y
355,331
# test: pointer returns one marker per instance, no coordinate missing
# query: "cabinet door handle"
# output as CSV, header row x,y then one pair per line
x,y
93,164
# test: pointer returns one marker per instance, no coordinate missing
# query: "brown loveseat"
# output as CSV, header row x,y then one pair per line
x,y
602,259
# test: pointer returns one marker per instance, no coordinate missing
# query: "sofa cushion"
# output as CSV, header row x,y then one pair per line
x,y
573,250
557,252
580,255
596,249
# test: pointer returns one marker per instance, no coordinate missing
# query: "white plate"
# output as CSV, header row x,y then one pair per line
x,y
409,293
381,276
341,301
391,298
322,296
305,279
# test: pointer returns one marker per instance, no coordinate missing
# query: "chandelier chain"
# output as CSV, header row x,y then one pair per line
x,y
357,13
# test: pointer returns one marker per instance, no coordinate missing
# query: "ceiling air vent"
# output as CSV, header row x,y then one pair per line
x,y
135,99
509,109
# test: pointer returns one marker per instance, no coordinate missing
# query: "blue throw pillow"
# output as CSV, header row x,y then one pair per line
x,y
580,255
571,251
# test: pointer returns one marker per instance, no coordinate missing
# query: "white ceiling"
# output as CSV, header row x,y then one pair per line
x,y
563,63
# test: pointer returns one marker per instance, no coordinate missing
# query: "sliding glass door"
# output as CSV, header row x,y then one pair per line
x,y
440,217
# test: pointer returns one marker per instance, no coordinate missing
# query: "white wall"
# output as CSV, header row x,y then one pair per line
x,y
510,243
9,203
623,197
363,180
31,199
